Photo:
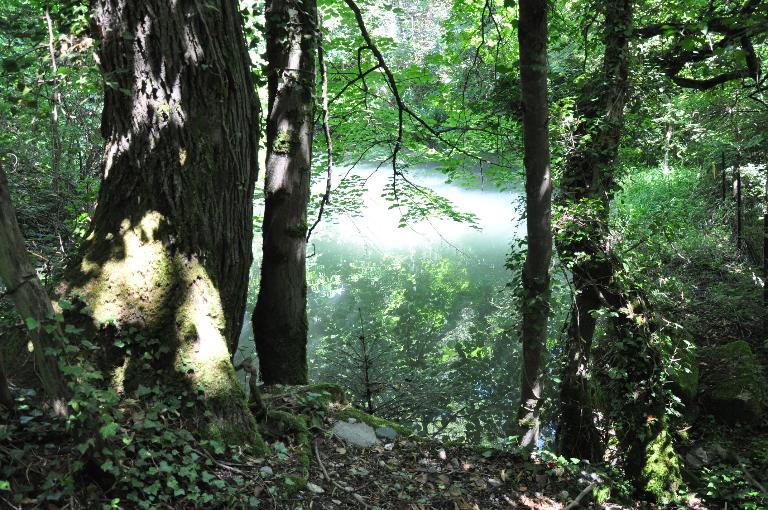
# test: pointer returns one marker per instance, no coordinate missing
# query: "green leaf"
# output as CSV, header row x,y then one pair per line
x,y
108,466
108,430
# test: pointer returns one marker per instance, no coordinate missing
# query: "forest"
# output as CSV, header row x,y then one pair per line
x,y
383,254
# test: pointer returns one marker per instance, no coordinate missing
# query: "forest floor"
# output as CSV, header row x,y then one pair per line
x,y
417,474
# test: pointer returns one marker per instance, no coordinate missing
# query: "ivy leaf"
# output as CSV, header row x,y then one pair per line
x,y
108,430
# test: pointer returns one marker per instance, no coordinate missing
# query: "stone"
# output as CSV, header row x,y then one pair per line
x,y
357,434
697,458
315,488
733,383
386,433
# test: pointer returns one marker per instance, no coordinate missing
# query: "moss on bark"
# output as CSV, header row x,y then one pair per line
x,y
661,472
132,279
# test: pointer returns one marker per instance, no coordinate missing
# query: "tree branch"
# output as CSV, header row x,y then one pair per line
x,y
326,199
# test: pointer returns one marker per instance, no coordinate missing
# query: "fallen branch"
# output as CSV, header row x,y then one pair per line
x,y
751,479
345,490
577,502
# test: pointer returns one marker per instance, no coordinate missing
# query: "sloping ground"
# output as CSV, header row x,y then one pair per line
x,y
136,464
420,475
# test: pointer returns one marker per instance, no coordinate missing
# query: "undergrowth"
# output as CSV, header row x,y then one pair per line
x,y
118,449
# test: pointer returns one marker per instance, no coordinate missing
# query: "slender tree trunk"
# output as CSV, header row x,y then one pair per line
x,y
55,101
722,165
29,297
169,248
280,316
532,35
6,399
737,177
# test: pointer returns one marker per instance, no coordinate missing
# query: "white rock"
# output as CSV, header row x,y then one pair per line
x,y
358,434
315,488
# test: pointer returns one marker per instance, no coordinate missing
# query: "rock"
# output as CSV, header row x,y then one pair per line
x,y
733,384
357,434
315,488
387,433
721,453
697,458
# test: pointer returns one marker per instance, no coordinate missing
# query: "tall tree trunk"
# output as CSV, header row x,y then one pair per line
x,y
280,316
6,399
737,177
722,165
532,35
169,248
636,402
29,298
587,187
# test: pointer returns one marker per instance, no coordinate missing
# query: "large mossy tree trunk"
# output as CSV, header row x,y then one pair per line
x,y
587,187
32,304
532,35
637,400
280,316
169,248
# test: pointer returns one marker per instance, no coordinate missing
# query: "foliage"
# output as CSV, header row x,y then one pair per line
x,y
49,142
430,339
432,342
114,449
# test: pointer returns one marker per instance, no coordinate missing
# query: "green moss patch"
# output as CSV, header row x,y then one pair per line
x,y
279,424
661,472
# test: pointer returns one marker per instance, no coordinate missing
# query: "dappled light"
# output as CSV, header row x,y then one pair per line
x,y
502,254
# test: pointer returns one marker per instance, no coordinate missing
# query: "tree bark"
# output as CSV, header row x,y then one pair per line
x,y
635,400
6,399
169,248
722,165
532,35
737,177
30,299
587,187
280,316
